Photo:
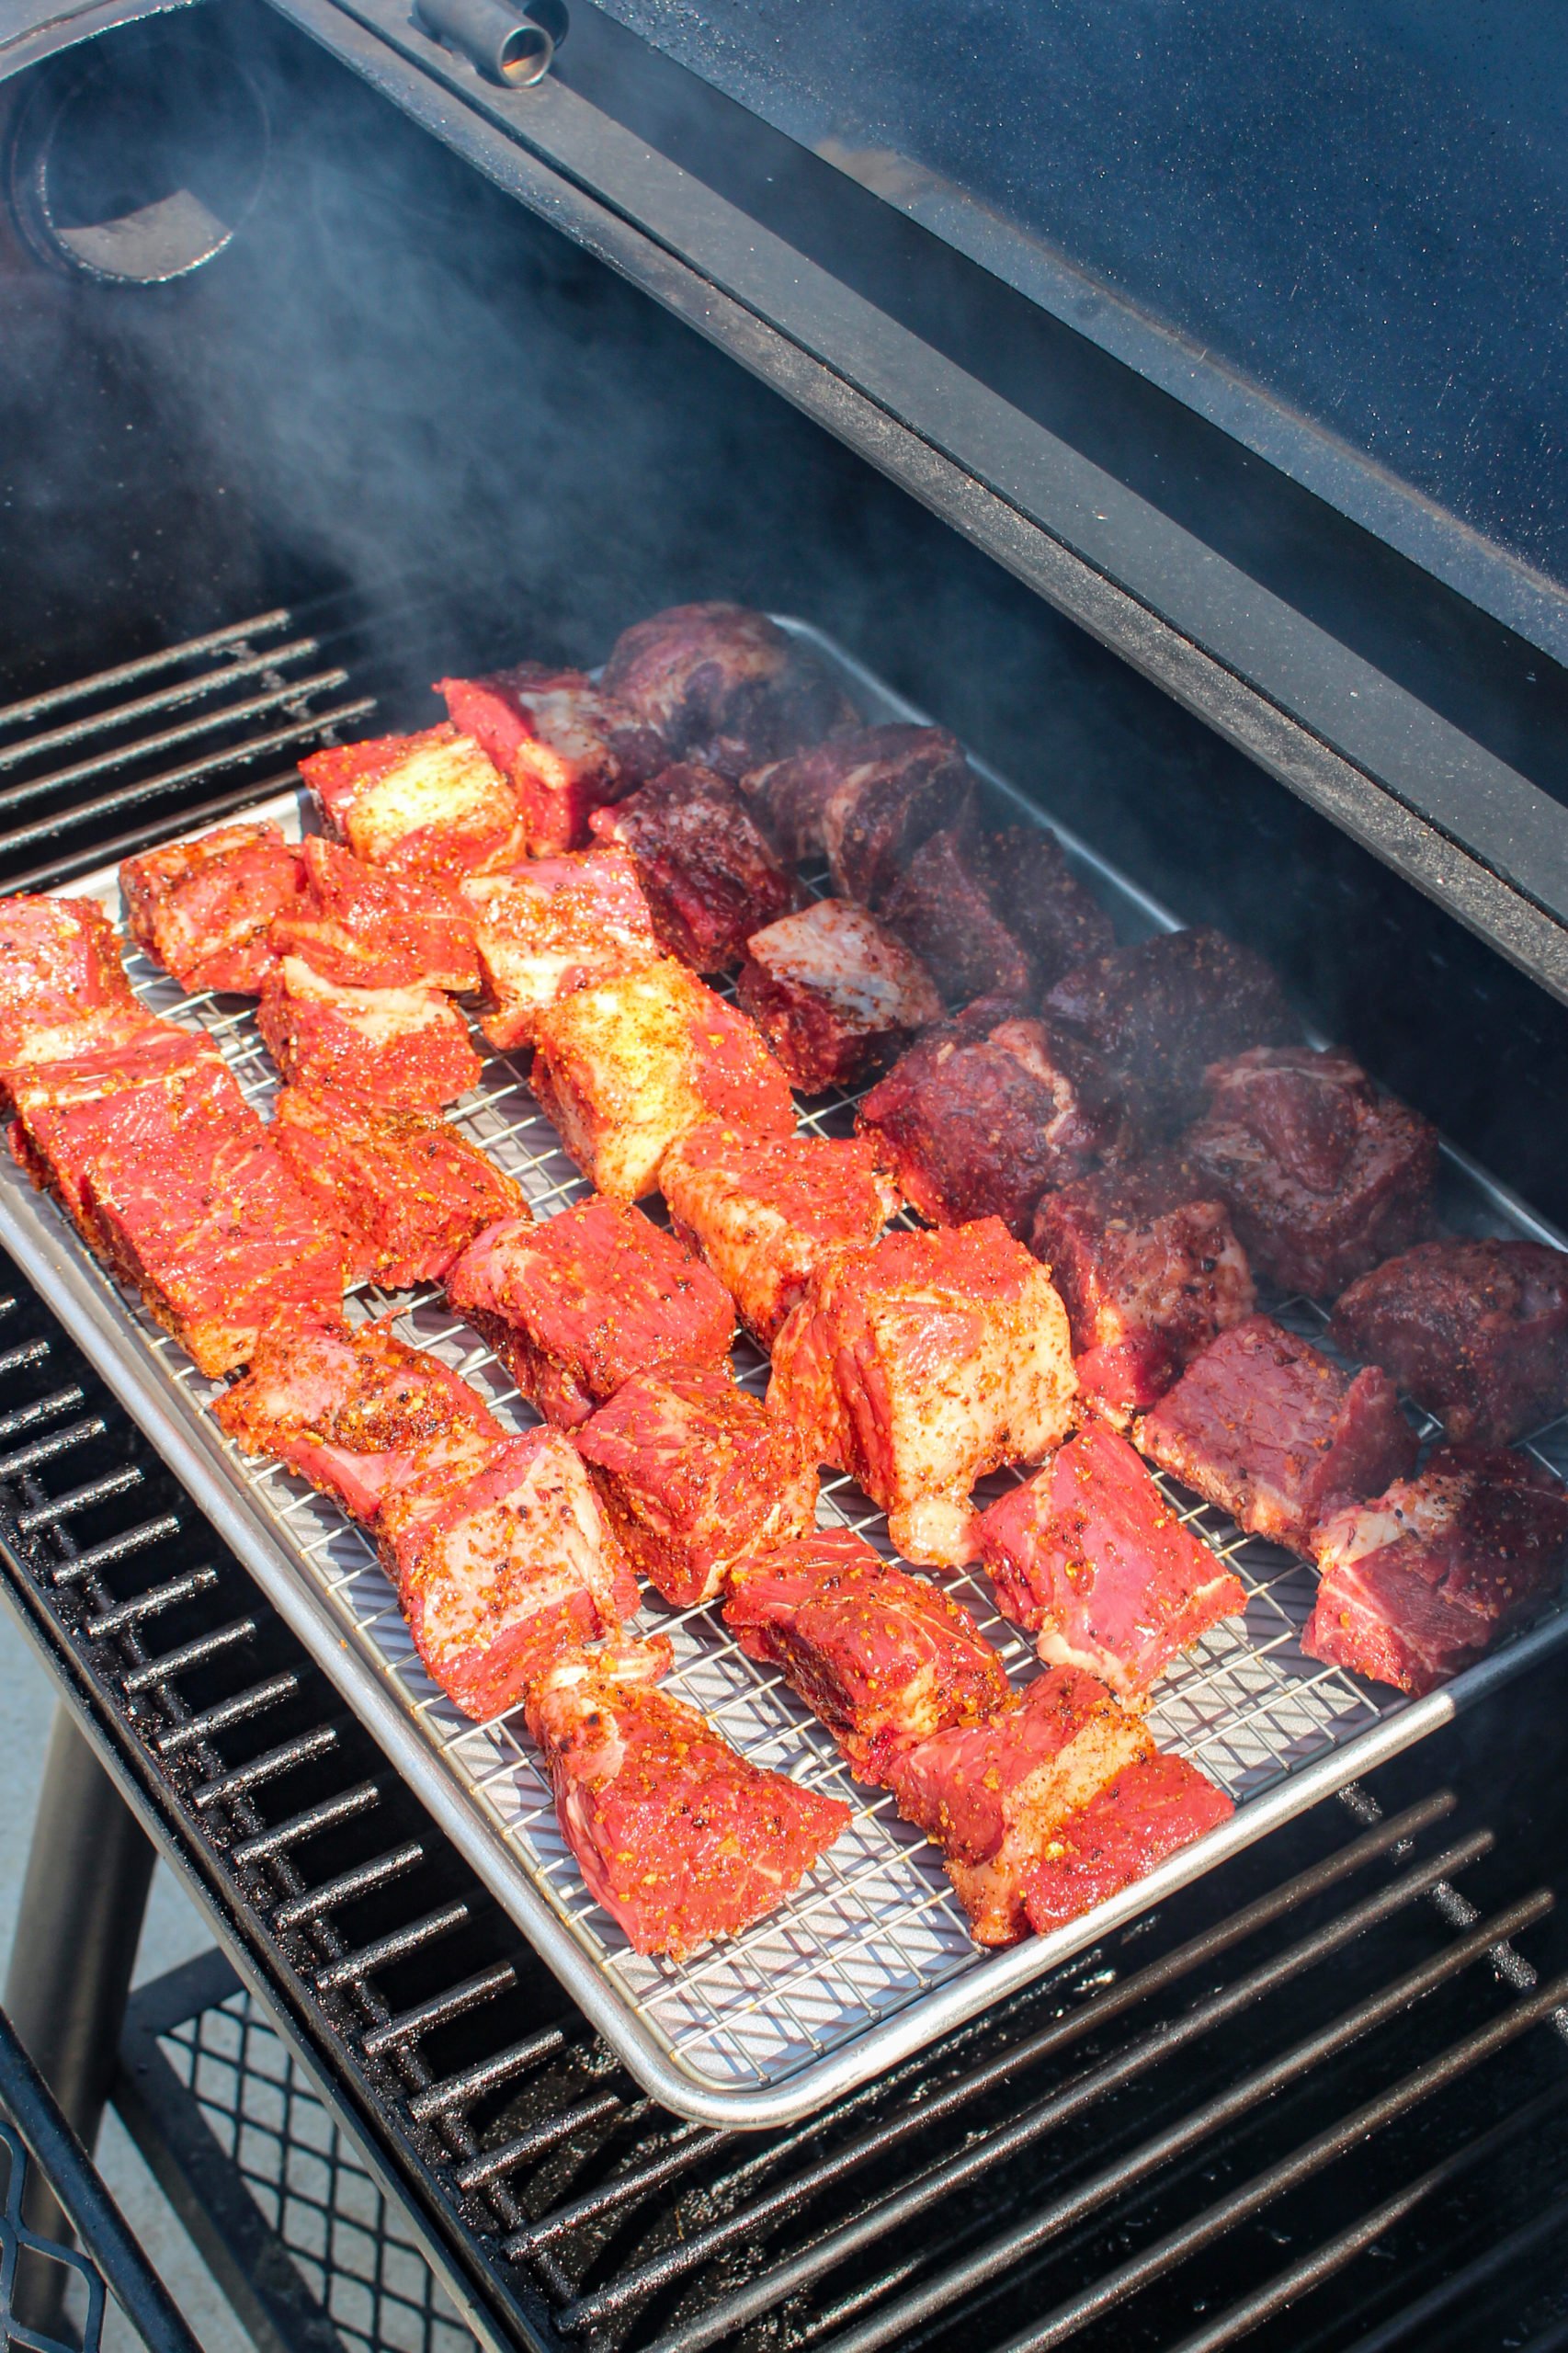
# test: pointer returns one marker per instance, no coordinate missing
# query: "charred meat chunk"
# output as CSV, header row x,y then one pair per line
x,y
709,876
431,803
1422,1580
63,991
566,745
941,908
1477,1332
834,993
896,787
677,1835
1323,1174
791,797
1089,1558
406,1050
724,686
203,909
1271,1430
361,927
552,926
1041,901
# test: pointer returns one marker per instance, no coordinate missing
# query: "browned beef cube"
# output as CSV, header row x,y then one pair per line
x,y
724,686
834,994
1323,1174
896,787
1477,1331
943,910
1041,901
791,797
709,876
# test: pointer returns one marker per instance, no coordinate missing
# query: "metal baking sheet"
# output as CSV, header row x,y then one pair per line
x,y
872,1957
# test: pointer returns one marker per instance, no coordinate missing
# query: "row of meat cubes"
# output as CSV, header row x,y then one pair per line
x,y
1056,1103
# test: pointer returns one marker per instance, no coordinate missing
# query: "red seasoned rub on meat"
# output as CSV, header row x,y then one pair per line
x,y
69,1110
407,1192
1422,1580
62,987
724,686
579,1303
1149,1271
1324,1175
1089,1557
550,928
566,747
362,928
884,1658
1477,1332
710,876
431,803
980,1117
921,1363
1267,1428
352,1412
203,909
678,1837
693,1473
834,994
765,1211
1161,1012
1149,1811
406,1050
627,1065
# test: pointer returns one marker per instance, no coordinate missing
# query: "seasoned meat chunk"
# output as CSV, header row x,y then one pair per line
x,y
503,1562
1149,1812
693,1473
920,1363
1092,1561
627,1065
709,876
678,1837
1422,1580
765,1211
834,993
1041,901
941,908
1267,1428
407,1192
885,1659
896,787
406,1050
430,803
361,927
1149,1272
724,686
566,745
62,987
550,928
578,1304
68,1112
1477,1331
1324,1175
977,1119
203,909
1161,1012
352,1412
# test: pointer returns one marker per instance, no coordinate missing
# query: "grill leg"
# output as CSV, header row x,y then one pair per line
x,y
89,1869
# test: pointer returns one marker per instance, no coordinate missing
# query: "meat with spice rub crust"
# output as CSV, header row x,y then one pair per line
x,y
710,876
405,1050
431,803
834,994
940,907
566,745
678,1837
552,926
63,990
1476,1330
362,928
884,1658
203,909
724,686
920,1363
896,787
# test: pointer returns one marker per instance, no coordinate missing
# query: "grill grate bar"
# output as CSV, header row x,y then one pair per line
x,y
115,1549
17,796
184,690
196,1653
151,1604
458,2090
311,1901
234,1710
41,1409
189,818
31,707
62,1508
268,1766
49,1449
499,1978
396,1945
309,1823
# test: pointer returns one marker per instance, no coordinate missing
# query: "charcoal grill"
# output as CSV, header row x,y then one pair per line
x,y
1318,2099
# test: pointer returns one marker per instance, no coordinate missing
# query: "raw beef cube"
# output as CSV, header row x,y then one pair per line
x,y
503,1562
406,1050
943,910
765,1212
884,1658
1041,901
578,1304
1422,1580
1476,1331
1324,1175
1161,1012
566,747
430,803
407,1192
352,1412
552,926
1151,1809
62,987
897,787
1092,1561
834,993
204,909
1149,1271
1267,1428
920,1363
626,1066
70,1113
709,876
724,686
362,928
976,1120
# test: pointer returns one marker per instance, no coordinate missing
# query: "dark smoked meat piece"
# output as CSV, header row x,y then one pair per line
x,y
1324,1175
898,786
679,1837
724,686
406,1050
203,909
833,993
1036,894
566,745
708,874
1477,1332
63,990
790,797
1161,1012
1271,1430
944,912
1422,1580
362,928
